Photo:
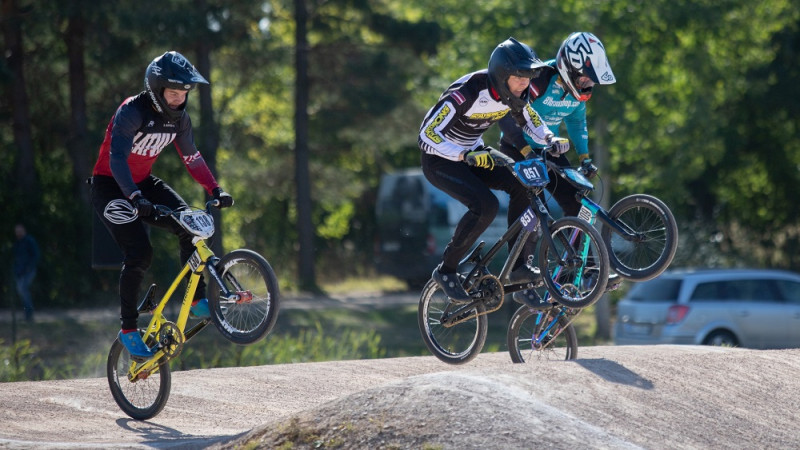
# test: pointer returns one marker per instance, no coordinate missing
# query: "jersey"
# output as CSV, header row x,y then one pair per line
x,y
464,112
554,106
134,139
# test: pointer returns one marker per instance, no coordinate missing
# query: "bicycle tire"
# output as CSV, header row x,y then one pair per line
x,y
457,344
645,214
143,399
567,284
525,327
251,317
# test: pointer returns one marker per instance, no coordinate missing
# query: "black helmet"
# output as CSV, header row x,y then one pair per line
x,y
512,57
170,70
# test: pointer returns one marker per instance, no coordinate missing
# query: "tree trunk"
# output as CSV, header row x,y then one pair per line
x,y
602,309
17,97
77,145
305,230
208,132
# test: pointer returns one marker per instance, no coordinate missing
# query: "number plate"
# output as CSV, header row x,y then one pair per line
x,y
531,172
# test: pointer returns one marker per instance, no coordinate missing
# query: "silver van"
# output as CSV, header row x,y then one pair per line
x,y
754,308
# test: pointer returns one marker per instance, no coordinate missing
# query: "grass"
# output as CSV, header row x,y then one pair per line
x,y
72,348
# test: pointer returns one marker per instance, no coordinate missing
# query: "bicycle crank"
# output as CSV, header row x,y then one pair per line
x,y
170,340
489,291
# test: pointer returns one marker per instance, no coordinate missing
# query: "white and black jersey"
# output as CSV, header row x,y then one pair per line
x,y
464,112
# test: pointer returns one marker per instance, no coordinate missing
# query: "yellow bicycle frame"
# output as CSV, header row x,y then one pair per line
x,y
194,268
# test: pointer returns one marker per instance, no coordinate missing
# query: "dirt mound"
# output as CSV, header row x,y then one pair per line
x,y
662,397
657,397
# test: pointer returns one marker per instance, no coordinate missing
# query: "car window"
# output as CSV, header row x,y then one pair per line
x,y
657,290
789,290
737,291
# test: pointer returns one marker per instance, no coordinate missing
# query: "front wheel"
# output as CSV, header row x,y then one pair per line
x,y
462,338
250,309
141,399
575,267
654,242
541,335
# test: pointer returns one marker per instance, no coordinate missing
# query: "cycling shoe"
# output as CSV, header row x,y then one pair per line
x,y
530,298
525,274
200,309
450,283
134,344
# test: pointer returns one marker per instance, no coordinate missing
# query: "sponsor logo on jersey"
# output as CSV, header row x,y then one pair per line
x,y
151,144
535,119
560,103
430,130
120,212
493,116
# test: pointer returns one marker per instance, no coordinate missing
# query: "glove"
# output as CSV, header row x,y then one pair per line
x,y
225,199
558,145
487,158
588,169
143,206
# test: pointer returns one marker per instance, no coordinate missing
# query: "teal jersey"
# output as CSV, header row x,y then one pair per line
x,y
554,107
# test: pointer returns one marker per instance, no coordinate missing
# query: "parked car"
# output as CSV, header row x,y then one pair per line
x,y
755,308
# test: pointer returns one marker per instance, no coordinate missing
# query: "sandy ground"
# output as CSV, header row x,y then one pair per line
x,y
662,397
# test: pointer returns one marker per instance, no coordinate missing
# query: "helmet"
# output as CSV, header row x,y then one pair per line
x,y
583,55
512,57
170,70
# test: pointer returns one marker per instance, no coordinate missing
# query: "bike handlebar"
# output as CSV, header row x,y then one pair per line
x,y
164,211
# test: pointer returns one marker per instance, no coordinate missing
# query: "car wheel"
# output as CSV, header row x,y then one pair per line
x,y
721,338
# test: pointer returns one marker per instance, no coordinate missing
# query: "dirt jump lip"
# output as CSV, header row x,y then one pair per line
x,y
611,397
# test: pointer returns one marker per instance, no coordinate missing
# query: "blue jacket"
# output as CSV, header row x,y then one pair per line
x,y
26,255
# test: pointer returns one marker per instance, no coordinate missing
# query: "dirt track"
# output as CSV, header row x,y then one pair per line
x,y
611,397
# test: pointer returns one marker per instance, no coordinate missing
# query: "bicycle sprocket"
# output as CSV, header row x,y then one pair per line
x,y
170,340
490,290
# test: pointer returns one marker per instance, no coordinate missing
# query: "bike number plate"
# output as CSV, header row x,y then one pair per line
x,y
531,172
529,220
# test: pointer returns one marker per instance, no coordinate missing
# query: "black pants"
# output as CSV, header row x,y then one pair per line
x,y
130,233
563,192
472,187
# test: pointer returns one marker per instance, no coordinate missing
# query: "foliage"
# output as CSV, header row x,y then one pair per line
x,y
703,115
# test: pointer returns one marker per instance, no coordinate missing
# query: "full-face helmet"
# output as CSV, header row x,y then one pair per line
x,y
582,63
170,70
512,57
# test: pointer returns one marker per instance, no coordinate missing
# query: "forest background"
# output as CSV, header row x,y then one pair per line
x,y
311,101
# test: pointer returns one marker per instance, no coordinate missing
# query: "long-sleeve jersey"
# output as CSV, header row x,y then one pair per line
x,y
464,112
135,137
549,100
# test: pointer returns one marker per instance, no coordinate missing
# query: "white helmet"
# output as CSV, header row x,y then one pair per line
x,y
582,63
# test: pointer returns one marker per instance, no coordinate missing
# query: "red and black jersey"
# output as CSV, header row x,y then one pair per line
x,y
135,137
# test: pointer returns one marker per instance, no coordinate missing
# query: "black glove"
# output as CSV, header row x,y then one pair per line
x,y
143,206
588,169
225,200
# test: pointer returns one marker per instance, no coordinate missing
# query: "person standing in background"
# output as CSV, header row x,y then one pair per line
x,y
26,260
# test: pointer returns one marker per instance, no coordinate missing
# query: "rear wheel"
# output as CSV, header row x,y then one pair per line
x,y
655,242
541,335
252,309
721,338
462,338
143,398
575,270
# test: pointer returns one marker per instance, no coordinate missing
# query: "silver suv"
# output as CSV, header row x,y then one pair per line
x,y
736,307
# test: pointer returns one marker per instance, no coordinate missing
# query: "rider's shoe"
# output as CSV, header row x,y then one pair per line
x,y
525,274
134,344
451,285
590,277
200,309
530,298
